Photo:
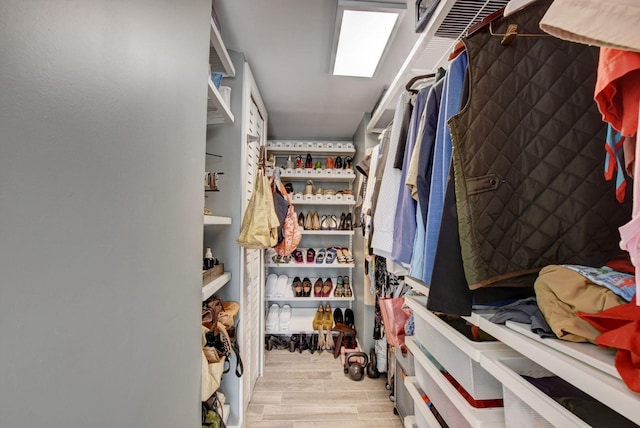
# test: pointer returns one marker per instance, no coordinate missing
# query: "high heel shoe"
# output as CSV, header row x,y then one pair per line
x,y
348,224
308,161
338,163
308,222
301,220
343,218
316,221
348,162
327,287
299,161
318,320
297,287
324,223
329,163
333,224
306,287
317,288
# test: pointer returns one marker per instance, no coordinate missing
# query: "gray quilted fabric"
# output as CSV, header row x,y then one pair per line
x,y
528,156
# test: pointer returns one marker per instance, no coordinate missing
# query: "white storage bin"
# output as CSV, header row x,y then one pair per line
x,y
525,405
459,355
453,407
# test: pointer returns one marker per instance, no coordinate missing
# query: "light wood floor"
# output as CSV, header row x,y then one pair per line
x,y
304,390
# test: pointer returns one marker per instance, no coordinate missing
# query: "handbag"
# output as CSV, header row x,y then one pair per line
x,y
260,222
291,228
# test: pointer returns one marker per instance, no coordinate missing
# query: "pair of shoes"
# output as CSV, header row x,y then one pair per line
x,y
322,289
301,288
329,163
276,286
323,318
329,223
278,318
346,222
311,222
344,255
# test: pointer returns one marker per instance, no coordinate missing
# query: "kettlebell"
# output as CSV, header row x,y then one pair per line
x,y
372,367
356,370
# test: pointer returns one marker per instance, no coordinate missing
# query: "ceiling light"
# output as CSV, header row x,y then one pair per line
x,y
362,33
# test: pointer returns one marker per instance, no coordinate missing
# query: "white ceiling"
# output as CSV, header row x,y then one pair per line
x,y
287,44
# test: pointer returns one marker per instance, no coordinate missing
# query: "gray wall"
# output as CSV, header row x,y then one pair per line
x,y
102,139
364,314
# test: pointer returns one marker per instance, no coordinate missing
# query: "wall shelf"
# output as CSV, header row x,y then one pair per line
x,y
220,60
294,265
211,288
301,322
417,285
218,112
214,220
327,232
312,150
321,203
310,299
318,175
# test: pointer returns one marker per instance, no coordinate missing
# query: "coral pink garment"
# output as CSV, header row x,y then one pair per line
x,y
620,328
617,92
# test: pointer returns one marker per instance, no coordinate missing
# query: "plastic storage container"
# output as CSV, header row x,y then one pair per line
x,y
459,355
452,406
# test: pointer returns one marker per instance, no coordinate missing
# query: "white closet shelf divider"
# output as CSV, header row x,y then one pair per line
x,y
214,220
218,111
211,288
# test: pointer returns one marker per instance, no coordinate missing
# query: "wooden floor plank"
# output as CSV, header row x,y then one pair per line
x,y
304,390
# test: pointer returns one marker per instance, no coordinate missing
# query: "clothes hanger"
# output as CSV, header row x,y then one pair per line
x,y
413,80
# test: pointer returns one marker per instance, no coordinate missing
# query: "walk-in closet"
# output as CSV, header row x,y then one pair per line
x,y
275,213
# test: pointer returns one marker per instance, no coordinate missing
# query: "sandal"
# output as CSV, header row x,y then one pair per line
x,y
347,287
311,255
347,255
341,257
320,255
331,255
339,290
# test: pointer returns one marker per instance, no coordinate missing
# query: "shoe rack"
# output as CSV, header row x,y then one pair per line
x,y
326,190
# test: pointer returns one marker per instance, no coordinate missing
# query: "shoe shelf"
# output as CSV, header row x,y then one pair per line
x,y
218,111
309,299
211,288
304,265
327,232
424,417
323,202
319,175
301,322
214,220
328,148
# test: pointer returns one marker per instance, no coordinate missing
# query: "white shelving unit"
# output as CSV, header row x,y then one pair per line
x,y
304,308
219,57
214,220
293,265
427,419
325,203
210,289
